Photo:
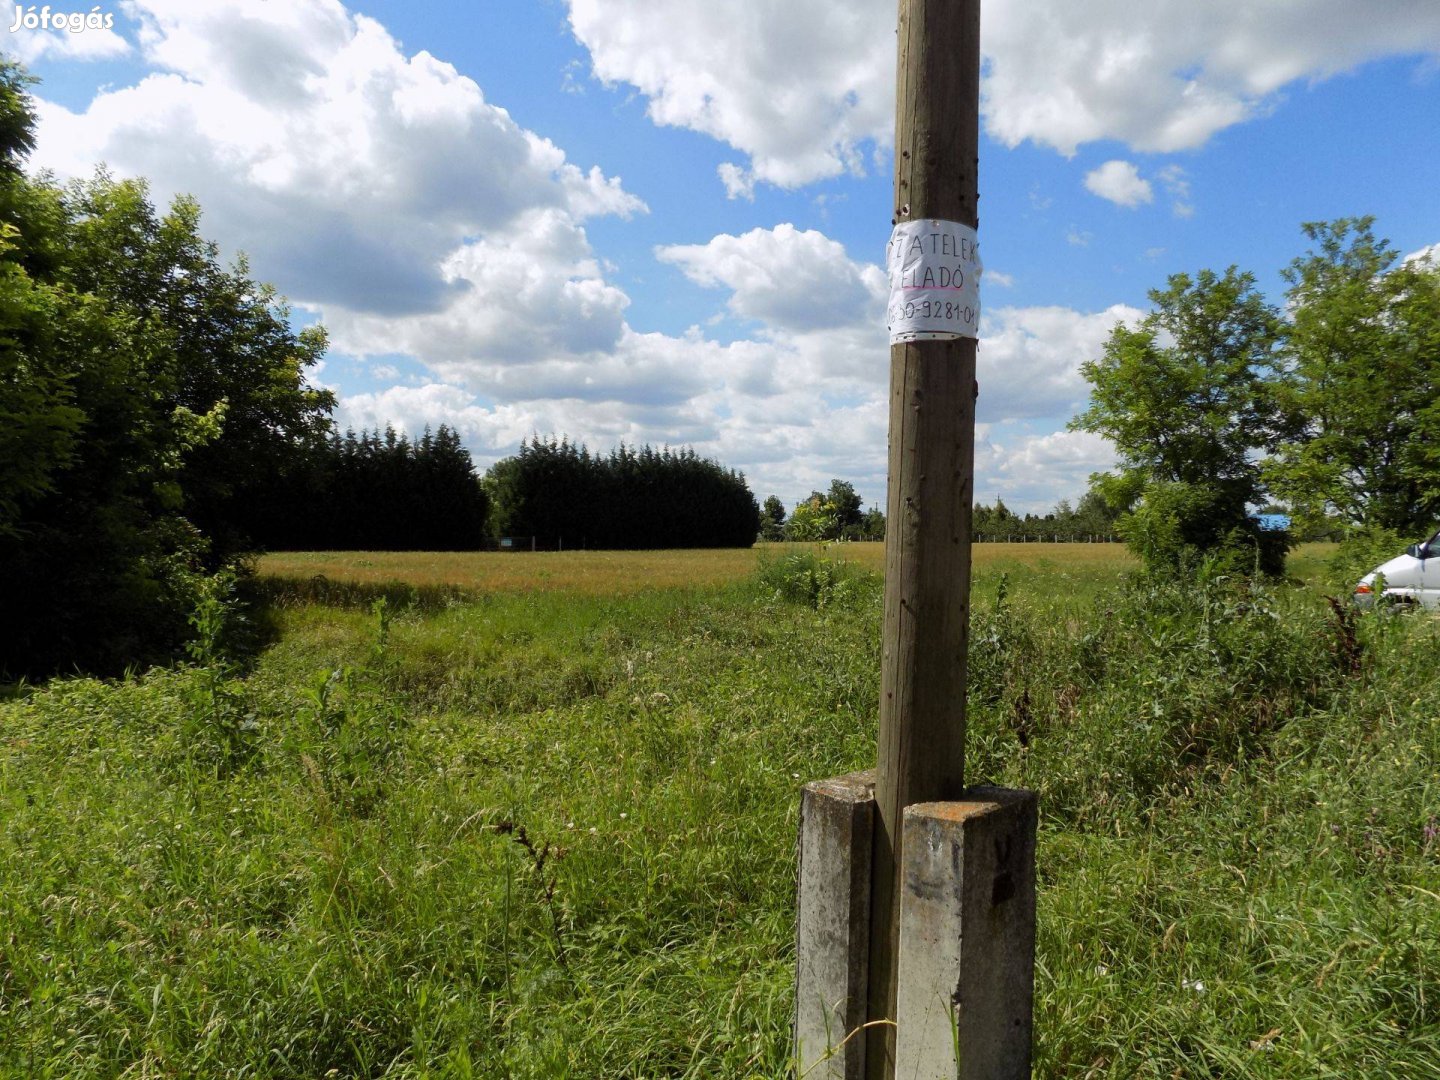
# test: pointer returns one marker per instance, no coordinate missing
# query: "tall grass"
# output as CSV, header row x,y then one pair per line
x,y
552,834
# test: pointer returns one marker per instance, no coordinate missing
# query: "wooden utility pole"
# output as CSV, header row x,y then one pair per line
x,y
928,505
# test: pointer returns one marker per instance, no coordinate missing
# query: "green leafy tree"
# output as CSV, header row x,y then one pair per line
x,y
772,519
131,366
1185,397
222,339
39,423
833,515
872,527
812,519
1361,385
1099,508
844,503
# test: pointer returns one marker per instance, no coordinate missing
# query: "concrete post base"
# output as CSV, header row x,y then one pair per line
x,y
967,933
967,938
832,935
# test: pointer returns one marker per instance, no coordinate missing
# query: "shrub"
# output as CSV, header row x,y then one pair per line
x,y
803,577
1180,525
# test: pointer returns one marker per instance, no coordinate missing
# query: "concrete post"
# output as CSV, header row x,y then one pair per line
x,y
967,938
833,929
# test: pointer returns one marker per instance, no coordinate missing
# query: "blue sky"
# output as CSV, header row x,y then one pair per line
x,y
658,220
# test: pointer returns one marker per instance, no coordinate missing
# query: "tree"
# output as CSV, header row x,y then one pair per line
x,y
772,519
872,527
135,374
1186,400
844,504
222,338
1360,385
39,422
812,519
375,492
834,515
1096,513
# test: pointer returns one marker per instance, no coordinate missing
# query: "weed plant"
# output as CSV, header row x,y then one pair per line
x,y
552,834
805,577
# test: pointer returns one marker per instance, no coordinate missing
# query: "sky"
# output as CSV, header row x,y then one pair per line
x,y
663,221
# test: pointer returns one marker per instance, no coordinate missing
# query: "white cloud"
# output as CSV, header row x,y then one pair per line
x,y
1121,183
1168,74
798,87
1426,257
349,171
1078,452
1028,361
47,42
410,409
801,87
786,278
739,183
525,291
1032,473
1178,186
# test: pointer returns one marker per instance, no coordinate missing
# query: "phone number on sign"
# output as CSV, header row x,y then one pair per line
x,y
934,309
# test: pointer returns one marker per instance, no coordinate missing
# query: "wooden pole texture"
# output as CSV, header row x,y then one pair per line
x,y
928,503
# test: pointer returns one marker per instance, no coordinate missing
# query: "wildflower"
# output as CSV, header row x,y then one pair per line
x,y
1193,984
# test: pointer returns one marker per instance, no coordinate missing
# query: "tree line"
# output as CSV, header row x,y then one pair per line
x,y
562,495
1092,519
376,491
836,514
1219,403
379,491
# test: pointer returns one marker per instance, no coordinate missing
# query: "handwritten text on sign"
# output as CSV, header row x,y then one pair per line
x,y
934,269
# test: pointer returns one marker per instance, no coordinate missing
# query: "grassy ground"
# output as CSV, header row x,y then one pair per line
x,y
611,573
536,832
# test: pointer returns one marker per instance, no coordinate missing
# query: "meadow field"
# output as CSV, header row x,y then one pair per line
x,y
612,573
533,815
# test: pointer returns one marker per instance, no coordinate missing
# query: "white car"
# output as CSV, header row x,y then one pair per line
x,y
1411,579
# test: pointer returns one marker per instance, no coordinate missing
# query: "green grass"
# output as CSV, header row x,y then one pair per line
x,y
551,833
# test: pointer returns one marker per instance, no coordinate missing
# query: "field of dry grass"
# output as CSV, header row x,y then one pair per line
x,y
619,572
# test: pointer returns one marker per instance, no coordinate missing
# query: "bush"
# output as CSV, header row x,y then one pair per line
x,y
803,577
1180,525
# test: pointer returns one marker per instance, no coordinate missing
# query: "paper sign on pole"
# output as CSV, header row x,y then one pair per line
x,y
934,269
